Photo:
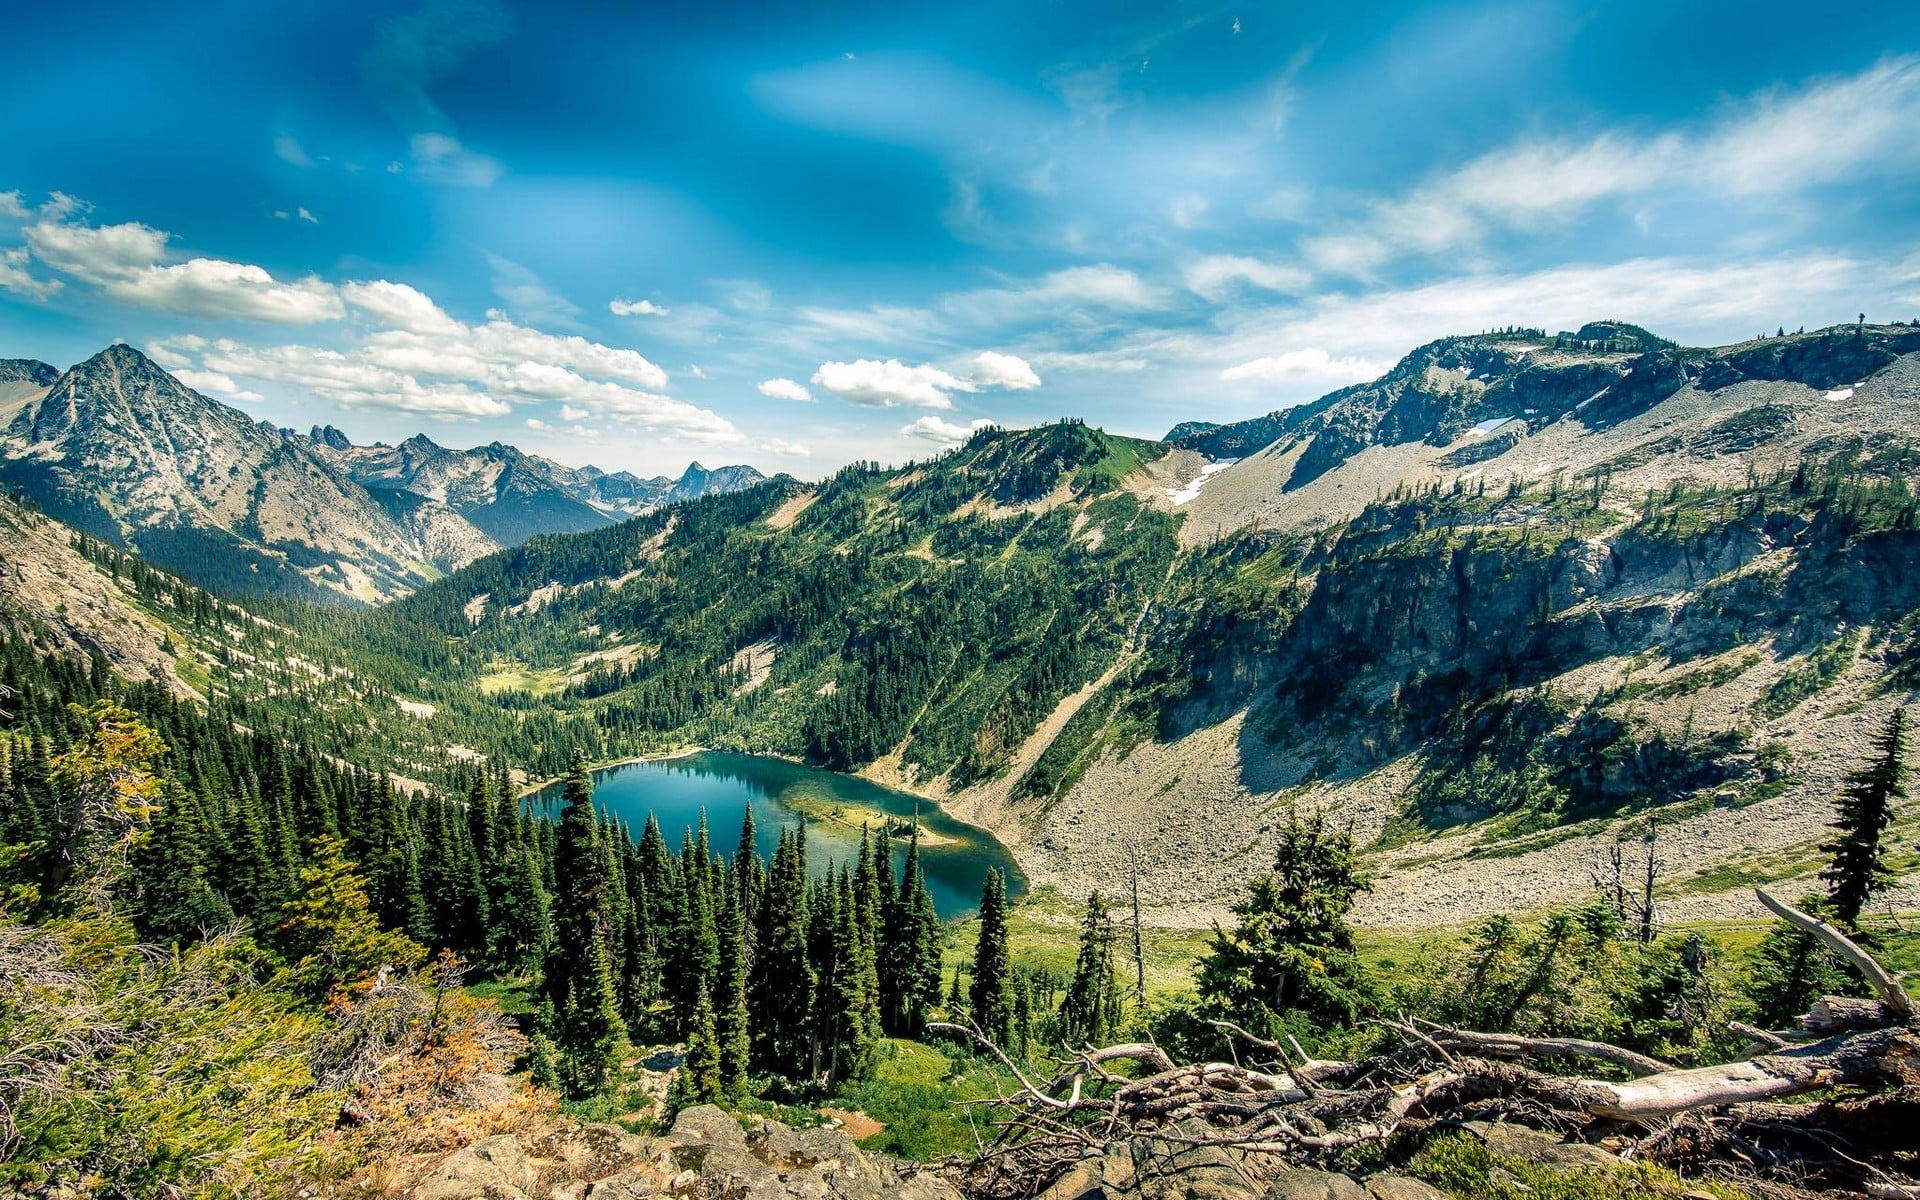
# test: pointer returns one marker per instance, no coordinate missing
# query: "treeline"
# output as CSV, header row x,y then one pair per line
x,y
757,967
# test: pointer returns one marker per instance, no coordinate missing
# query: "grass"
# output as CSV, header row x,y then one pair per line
x,y
914,1092
1045,930
518,677
1461,1165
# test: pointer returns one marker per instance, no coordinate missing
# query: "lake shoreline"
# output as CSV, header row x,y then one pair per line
x,y
843,806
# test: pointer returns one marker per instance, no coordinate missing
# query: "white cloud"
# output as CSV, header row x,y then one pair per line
x,y
537,425
11,206
442,158
946,433
1217,274
1187,210
211,287
635,308
289,151
349,380
992,369
16,278
1072,290
214,383
401,306
1774,143
874,384
1311,365
1697,303
126,262
569,413
782,446
784,389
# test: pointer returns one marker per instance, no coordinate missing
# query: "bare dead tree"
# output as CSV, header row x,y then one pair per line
x,y
1281,1107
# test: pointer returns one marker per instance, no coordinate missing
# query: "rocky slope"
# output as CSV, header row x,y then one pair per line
x,y
66,605
505,495
122,450
1690,572
705,1154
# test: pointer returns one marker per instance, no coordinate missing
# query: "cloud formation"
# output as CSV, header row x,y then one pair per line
x,y
784,389
635,308
945,433
872,383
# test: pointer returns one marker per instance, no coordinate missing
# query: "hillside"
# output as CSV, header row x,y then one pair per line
x,y
1526,591
120,449
1496,608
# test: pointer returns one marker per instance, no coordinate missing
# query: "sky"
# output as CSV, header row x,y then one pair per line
x,y
796,235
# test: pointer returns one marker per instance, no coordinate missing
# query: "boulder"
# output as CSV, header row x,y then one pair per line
x,y
496,1168
1304,1183
1403,1187
706,1123
1531,1145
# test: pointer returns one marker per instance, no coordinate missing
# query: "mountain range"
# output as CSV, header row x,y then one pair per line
x,y
120,449
1522,597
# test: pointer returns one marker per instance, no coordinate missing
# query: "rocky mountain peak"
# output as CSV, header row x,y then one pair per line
x,y
28,371
330,437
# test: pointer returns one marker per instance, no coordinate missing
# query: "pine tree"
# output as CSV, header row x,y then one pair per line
x,y
578,976
1859,867
783,981
327,930
730,1022
1092,1008
1291,950
915,940
175,902
855,1029
701,1071
990,998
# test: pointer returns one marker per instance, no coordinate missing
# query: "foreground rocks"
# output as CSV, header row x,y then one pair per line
x,y
707,1155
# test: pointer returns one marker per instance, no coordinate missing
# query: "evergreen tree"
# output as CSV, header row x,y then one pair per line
x,y
578,975
855,1028
1790,970
910,986
1859,867
1291,951
327,930
701,1071
175,901
783,980
730,1021
990,997
1092,1007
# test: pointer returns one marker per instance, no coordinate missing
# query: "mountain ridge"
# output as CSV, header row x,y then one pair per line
x,y
120,449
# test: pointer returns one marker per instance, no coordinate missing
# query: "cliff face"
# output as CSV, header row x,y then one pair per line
x,y
1501,622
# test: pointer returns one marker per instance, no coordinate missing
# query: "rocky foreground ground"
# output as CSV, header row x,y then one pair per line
x,y
707,1155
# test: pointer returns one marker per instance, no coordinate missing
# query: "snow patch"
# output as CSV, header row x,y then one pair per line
x,y
1182,495
1844,393
1488,426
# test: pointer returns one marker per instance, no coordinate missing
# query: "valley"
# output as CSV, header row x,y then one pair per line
x,y
1680,569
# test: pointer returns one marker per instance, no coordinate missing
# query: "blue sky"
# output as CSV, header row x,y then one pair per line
x,y
796,235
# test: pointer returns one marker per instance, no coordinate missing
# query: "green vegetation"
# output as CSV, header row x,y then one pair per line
x,y
1461,1165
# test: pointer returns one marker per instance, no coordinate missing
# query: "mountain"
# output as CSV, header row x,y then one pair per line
x,y
628,494
120,449
1498,608
1520,598
505,494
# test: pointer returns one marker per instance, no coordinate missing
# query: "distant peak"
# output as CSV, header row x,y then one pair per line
x,y
327,435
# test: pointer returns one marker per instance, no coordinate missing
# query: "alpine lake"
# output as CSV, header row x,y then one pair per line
x,y
835,809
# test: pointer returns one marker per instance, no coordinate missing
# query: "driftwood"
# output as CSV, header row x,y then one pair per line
x,y
1294,1109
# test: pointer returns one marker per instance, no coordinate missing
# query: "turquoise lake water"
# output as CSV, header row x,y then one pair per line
x,y
722,785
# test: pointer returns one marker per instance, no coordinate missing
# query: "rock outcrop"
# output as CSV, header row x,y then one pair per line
x,y
705,1155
